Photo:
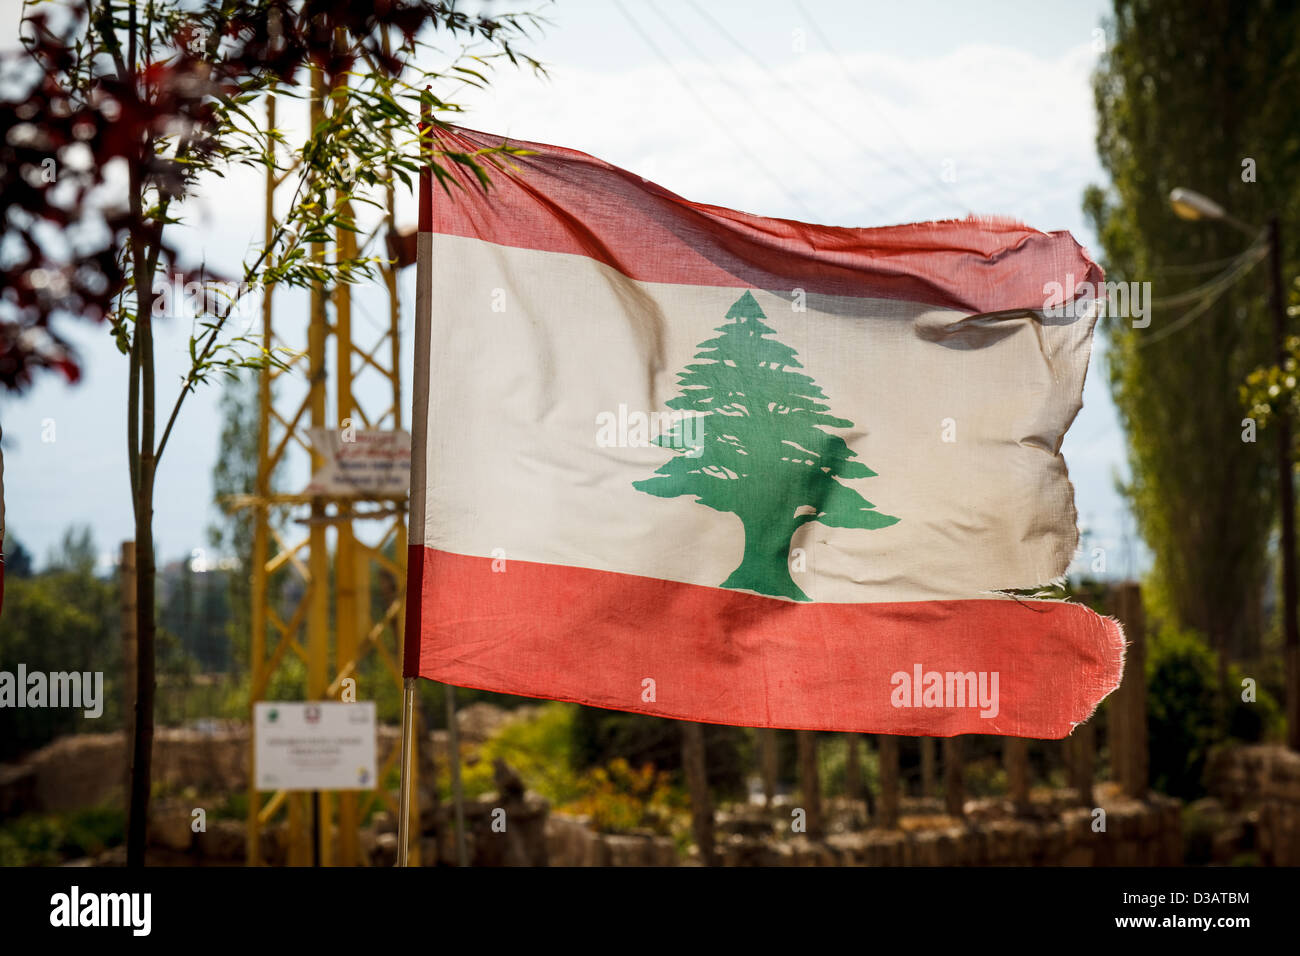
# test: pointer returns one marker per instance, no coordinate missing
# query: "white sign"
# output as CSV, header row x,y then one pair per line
x,y
314,745
366,462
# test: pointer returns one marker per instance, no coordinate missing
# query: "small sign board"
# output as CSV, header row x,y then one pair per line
x,y
314,745
372,462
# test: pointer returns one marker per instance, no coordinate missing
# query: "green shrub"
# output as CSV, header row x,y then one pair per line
x,y
1186,714
1253,721
538,749
61,620
617,796
619,799
1182,711
600,736
48,840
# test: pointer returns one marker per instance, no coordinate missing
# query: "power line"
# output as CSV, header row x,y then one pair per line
x,y
871,101
1207,293
739,143
1194,267
741,94
993,175
1240,263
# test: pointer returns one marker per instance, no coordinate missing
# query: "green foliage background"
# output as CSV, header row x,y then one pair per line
x,y
1185,93
63,619
1187,716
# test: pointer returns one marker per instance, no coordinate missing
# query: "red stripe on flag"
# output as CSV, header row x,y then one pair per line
x,y
720,656
562,200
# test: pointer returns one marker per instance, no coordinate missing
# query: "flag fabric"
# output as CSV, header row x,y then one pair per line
x,y
681,460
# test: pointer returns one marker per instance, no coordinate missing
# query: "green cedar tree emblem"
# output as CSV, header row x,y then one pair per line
x,y
757,449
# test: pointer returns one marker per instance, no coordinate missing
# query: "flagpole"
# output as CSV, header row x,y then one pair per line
x,y
419,451
404,788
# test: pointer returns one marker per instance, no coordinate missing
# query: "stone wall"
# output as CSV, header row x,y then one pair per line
x,y
1258,789
86,770
1138,833
572,842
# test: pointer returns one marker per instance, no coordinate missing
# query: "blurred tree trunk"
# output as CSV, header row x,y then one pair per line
x,y
142,458
143,455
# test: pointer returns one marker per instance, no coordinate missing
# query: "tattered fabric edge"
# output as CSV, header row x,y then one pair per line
x,y
1114,649
1117,649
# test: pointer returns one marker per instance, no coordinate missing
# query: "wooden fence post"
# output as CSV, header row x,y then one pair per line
x,y
1080,761
928,761
852,769
1015,758
767,763
810,788
954,784
697,783
1128,715
867,796
888,757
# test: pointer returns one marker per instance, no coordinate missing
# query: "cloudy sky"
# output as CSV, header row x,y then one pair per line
x,y
845,113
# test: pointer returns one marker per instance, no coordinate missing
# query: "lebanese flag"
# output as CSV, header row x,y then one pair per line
x,y
680,460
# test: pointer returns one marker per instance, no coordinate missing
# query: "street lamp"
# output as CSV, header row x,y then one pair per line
x,y
1191,205
1188,204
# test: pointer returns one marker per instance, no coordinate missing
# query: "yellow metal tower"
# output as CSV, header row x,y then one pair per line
x,y
351,608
